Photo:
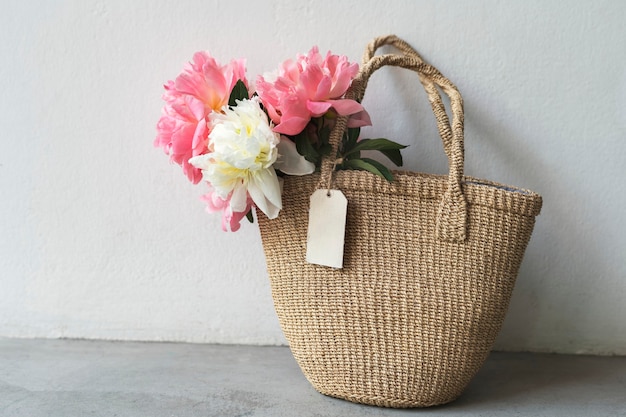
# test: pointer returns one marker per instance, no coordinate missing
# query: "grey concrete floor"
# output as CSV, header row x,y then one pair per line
x,y
70,378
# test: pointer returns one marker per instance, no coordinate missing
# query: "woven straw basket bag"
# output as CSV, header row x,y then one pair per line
x,y
429,266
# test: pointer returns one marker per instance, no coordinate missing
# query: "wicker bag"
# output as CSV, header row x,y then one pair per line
x,y
429,266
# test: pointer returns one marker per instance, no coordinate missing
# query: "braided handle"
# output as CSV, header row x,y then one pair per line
x,y
443,124
452,213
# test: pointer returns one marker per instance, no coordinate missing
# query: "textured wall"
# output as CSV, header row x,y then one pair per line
x,y
101,238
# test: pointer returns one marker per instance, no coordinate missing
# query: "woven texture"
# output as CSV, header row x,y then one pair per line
x,y
429,266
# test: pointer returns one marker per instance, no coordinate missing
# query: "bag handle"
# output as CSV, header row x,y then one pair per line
x,y
443,124
452,213
392,40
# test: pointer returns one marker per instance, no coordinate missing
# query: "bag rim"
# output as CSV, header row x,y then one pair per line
x,y
478,192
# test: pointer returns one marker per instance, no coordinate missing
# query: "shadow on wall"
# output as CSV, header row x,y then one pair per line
x,y
552,294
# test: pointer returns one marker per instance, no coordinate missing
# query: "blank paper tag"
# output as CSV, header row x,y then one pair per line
x,y
327,228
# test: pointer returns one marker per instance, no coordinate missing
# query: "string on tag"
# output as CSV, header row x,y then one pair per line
x,y
330,177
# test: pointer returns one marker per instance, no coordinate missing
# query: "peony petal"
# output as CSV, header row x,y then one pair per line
x,y
271,111
218,93
193,174
322,91
268,181
226,221
191,84
346,106
237,68
200,59
310,80
318,108
196,108
343,73
290,161
360,119
233,220
213,202
230,219
182,138
200,138
291,125
341,86
264,190
239,198
200,161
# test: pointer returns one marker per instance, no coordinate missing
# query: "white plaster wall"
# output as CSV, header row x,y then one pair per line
x,y
101,238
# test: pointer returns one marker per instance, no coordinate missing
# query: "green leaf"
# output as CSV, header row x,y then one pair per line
x,y
367,164
325,149
353,135
249,216
394,156
386,173
387,147
376,145
240,92
305,148
324,136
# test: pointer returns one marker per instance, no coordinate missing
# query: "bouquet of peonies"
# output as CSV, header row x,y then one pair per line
x,y
240,141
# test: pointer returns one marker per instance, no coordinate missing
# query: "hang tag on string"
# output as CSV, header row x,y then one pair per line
x,y
327,228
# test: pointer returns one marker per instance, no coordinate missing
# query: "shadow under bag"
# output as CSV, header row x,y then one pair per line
x,y
429,265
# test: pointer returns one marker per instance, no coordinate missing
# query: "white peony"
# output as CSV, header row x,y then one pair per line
x,y
242,149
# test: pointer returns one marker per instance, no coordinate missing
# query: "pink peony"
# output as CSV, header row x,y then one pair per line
x,y
182,132
308,88
230,220
202,87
